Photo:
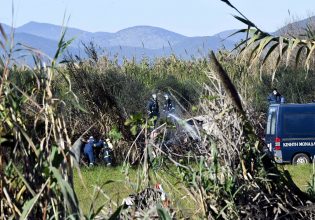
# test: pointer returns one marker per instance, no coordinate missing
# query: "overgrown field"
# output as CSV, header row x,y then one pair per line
x,y
98,185
98,96
222,174
107,93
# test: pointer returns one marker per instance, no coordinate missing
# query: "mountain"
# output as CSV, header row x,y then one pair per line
x,y
226,35
47,46
28,42
138,36
146,36
296,28
200,46
6,28
49,31
138,41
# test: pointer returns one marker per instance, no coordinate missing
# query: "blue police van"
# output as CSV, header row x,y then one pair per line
x,y
290,132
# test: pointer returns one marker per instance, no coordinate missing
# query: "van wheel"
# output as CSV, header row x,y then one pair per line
x,y
300,159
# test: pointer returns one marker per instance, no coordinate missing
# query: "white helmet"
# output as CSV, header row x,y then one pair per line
x,y
154,96
275,91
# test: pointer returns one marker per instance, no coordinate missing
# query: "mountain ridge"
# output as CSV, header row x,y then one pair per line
x,y
139,41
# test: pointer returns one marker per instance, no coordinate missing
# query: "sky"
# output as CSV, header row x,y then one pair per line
x,y
187,17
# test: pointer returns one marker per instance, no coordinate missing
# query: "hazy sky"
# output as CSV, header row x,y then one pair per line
x,y
191,18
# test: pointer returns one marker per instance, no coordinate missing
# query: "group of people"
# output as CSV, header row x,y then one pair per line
x,y
93,144
153,114
154,109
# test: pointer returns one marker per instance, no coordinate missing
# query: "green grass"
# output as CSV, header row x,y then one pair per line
x,y
301,174
115,188
92,178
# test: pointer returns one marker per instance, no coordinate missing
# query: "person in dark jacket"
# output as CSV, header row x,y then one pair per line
x,y
275,97
168,105
107,153
153,109
89,149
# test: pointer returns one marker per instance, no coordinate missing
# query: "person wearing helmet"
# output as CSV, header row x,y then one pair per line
x,y
168,105
89,149
275,97
107,154
153,109
109,144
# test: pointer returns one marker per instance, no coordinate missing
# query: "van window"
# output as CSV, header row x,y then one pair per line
x,y
271,121
299,124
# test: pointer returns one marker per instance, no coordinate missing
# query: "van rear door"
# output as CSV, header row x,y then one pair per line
x,y
271,132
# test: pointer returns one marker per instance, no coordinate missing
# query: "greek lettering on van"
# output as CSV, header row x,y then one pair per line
x,y
299,144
